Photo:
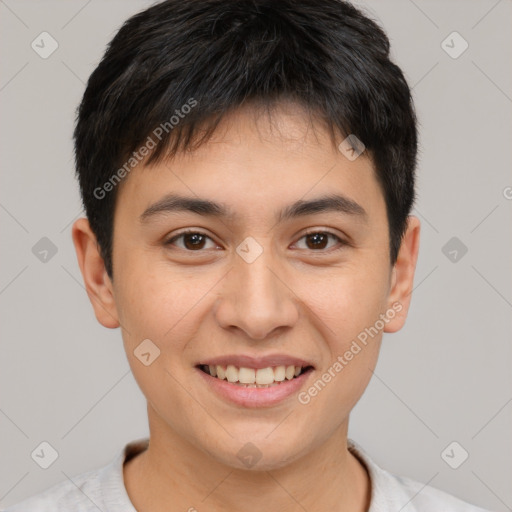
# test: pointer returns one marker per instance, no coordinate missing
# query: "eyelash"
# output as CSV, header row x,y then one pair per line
x,y
340,241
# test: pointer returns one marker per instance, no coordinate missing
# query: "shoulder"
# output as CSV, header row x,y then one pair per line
x,y
98,489
424,498
79,494
392,492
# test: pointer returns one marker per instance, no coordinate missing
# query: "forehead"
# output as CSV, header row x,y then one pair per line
x,y
262,157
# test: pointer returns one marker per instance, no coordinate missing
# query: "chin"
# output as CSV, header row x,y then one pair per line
x,y
259,454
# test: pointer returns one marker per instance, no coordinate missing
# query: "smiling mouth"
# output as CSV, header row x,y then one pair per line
x,y
255,378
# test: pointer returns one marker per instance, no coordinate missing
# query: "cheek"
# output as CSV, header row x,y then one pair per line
x,y
163,308
346,306
346,300
346,315
158,304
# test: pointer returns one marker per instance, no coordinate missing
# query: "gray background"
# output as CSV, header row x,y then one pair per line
x,y
445,377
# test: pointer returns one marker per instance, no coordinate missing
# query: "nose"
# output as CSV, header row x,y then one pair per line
x,y
256,299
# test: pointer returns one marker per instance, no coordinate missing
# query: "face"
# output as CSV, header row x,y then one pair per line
x,y
265,277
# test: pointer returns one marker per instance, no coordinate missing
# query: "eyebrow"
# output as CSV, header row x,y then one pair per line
x,y
173,203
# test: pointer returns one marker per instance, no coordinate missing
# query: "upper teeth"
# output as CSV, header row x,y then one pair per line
x,y
254,376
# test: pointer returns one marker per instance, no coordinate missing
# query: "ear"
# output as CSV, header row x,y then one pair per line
x,y
97,283
402,278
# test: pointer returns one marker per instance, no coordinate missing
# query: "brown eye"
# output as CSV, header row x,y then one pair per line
x,y
190,241
194,241
319,240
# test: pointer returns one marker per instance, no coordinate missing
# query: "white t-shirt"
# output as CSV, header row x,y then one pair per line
x,y
103,489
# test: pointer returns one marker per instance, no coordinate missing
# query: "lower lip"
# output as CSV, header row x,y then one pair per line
x,y
255,397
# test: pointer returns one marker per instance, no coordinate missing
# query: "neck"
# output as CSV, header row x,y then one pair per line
x,y
172,475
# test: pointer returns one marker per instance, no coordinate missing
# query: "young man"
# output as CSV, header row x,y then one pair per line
x,y
247,169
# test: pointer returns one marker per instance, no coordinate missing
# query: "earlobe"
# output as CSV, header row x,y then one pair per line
x,y
403,276
97,283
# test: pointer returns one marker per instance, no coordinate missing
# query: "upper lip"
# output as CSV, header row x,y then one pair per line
x,y
247,361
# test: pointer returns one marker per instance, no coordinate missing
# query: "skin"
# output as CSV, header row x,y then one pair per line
x,y
295,298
